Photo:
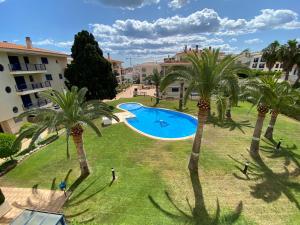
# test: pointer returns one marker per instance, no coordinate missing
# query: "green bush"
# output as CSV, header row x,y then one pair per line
x,y
25,126
2,198
6,142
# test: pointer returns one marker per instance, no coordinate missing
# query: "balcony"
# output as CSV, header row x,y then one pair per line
x,y
29,88
23,68
40,103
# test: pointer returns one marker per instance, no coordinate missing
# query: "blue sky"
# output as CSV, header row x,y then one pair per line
x,y
151,29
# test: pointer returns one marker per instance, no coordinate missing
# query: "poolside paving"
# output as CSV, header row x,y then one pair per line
x,y
31,198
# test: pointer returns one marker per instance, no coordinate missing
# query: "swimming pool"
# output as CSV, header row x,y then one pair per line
x,y
160,123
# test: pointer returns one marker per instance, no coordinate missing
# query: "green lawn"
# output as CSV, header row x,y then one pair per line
x,y
148,168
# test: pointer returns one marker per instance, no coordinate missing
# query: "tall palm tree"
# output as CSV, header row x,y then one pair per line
x,y
270,54
205,75
155,79
74,112
284,97
172,77
287,54
259,91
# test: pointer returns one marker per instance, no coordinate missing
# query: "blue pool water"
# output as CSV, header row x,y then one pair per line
x,y
160,123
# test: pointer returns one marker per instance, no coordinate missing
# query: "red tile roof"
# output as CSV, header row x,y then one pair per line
x,y
6,45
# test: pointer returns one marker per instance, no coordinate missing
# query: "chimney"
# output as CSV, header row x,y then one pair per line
x,y
28,42
108,56
185,48
197,48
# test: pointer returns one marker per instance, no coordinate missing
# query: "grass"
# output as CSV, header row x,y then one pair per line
x,y
153,176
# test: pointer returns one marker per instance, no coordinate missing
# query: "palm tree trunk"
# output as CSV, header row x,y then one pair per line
x,y
194,158
157,94
228,111
270,129
254,148
181,96
81,155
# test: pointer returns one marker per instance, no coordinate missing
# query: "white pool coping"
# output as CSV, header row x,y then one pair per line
x,y
131,115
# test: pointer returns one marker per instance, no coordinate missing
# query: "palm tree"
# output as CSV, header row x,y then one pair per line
x,y
270,54
259,91
284,97
74,112
205,75
287,54
155,78
172,77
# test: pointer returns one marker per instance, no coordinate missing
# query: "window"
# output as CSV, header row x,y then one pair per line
x,y
1,68
36,95
8,89
175,89
255,59
31,78
44,60
56,61
262,60
15,109
261,65
277,65
49,77
281,66
60,76
143,69
254,65
295,71
26,59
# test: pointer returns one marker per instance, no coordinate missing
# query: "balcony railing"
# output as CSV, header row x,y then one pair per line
x,y
26,67
32,86
41,102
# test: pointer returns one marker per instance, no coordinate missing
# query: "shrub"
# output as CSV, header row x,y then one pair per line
x,y
25,126
2,198
6,142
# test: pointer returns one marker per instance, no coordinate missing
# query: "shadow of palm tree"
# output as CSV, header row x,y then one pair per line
x,y
271,185
199,214
230,123
287,152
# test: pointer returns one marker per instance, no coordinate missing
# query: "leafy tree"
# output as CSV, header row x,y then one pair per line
x,y
287,54
90,69
2,197
205,75
9,145
155,79
270,54
259,91
73,114
284,97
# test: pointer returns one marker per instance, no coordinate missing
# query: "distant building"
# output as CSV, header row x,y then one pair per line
x,y
116,65
25,71
143,70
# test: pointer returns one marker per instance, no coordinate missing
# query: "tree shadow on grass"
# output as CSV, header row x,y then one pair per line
x,y
269,185
288,152
229,124
199,214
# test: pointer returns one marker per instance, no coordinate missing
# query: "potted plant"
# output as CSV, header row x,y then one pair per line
x,y
4,206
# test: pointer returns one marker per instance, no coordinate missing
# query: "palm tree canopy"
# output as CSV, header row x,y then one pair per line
x,y
155,78
73,110
287,54
208,74
270,91
270,54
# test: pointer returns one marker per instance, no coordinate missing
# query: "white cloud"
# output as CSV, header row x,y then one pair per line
x,y
125,4
253,41
177,4
232,40
61,44
1,1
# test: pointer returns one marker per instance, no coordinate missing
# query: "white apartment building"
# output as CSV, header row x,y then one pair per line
x,y
143,70
25,71
256,62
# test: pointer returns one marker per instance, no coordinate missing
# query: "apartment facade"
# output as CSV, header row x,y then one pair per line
x,y
25,72
256,62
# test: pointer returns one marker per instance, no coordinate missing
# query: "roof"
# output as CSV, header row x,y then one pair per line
x,y
12,46
30,217
113,60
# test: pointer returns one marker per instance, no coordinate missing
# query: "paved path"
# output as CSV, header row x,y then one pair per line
x,y
31,198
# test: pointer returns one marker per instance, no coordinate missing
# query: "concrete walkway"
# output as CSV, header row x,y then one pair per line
x,y
31,198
